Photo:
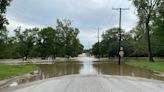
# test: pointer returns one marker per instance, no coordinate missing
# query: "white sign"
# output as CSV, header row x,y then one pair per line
x,y
121,53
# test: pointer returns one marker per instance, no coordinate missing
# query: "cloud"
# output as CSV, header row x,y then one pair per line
x,y
86,15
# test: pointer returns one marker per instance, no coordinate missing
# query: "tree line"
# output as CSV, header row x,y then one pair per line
x,y
146,39
133,42
61,41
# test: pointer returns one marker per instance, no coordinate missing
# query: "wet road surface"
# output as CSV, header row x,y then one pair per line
x,y
92,83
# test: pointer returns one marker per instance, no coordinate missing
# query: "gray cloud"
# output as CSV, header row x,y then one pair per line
x,y
87,15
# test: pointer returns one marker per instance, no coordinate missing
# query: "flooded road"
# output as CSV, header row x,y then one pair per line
x,y
88,65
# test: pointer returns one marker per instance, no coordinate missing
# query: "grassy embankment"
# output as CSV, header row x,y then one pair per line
x,y
156,66
8,71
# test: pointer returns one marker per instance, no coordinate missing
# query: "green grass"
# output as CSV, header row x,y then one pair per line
x,y
156,66
8,71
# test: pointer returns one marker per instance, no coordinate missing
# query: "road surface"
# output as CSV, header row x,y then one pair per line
x,y
91,83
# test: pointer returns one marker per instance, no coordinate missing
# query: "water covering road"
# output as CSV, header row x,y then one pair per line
x,y
86,66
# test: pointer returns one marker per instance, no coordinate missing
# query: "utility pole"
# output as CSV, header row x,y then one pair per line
x,y
89,49
98,44
119,31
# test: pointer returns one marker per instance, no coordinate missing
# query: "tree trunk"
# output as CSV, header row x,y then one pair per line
x,y
25,57
1,25
149,43
1,21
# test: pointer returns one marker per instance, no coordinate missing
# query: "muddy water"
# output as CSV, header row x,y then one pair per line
x,y
85,65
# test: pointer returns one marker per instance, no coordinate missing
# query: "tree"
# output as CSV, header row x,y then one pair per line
x,y
62,41
48,42
158,33
95,49
110,40
108,45
3,20
26,40
3,6
131,41
146,11
3,40
68,38
11,49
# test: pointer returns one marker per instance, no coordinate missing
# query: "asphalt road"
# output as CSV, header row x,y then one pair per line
x,y
91,83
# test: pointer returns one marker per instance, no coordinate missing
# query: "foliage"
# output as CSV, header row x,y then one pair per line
x,y
3,6
108,46
148,33
68,38
26,40
3,40
147,11
60,41
63,40
133,43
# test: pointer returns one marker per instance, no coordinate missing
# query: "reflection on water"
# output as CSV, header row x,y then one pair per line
x,y
85,65
88,68
112,68
59,69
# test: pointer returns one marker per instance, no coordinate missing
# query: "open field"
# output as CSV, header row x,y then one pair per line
x,y
8,71
156,66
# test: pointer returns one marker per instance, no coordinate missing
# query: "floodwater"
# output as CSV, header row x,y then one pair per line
x,y
85,65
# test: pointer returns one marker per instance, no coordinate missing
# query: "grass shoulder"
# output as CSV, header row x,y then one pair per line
x,y
156,66
8,71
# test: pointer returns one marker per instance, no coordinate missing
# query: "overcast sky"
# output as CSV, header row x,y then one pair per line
x,y
87,15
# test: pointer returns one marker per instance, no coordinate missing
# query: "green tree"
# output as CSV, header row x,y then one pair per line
x,y
158,38
26,40
3,40
110,39
3,6
95,49
68,38
108,45
11,49
48,42
146,11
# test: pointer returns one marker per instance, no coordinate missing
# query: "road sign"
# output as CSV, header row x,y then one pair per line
x,y
121,53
